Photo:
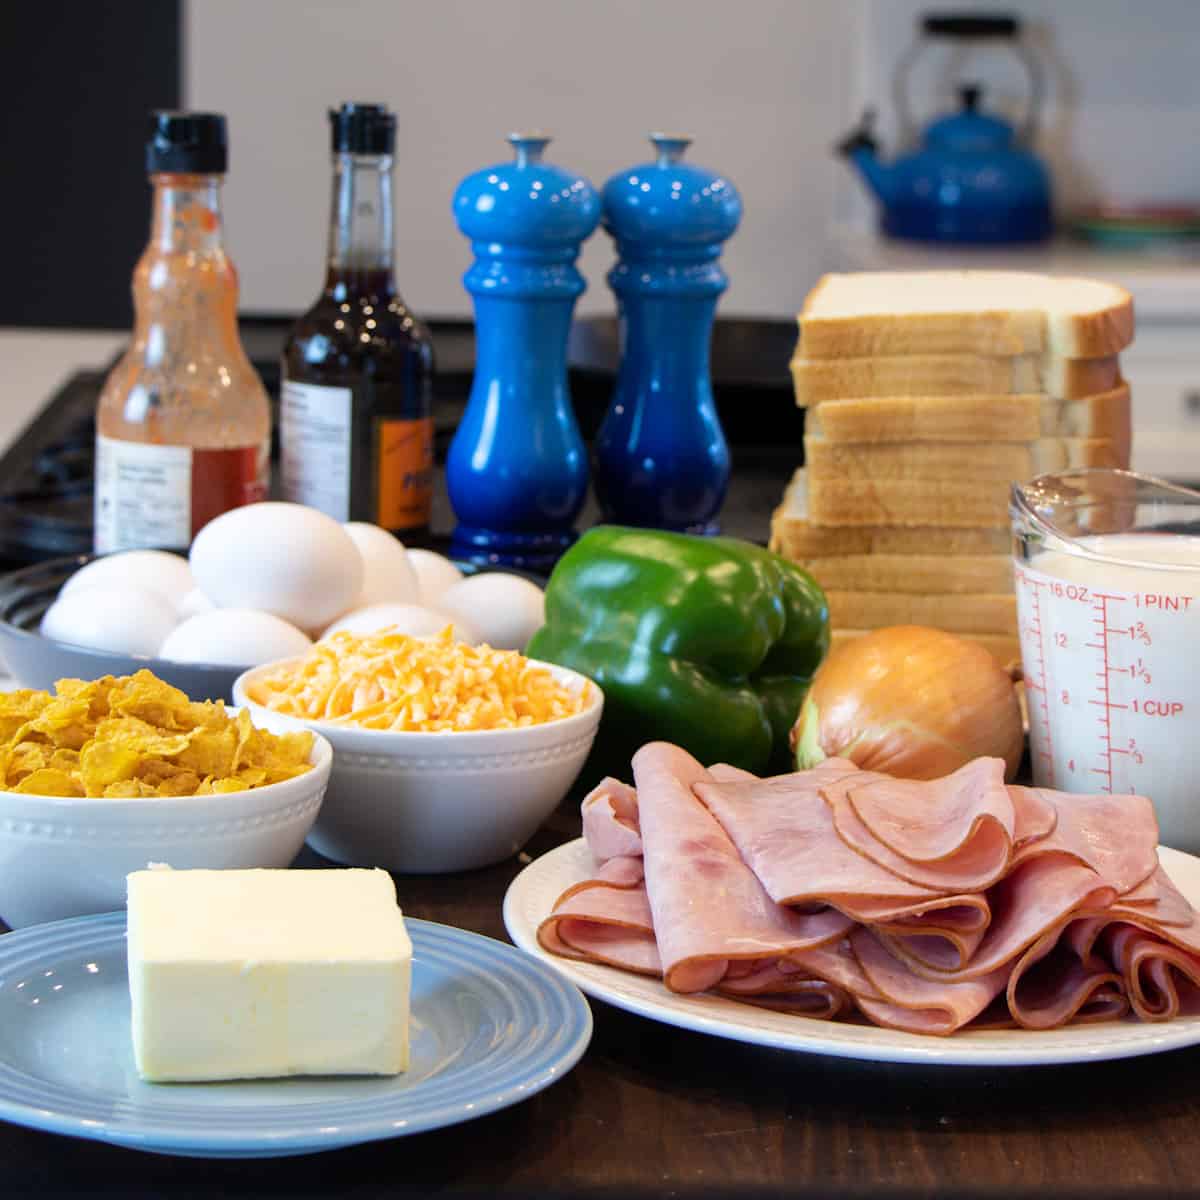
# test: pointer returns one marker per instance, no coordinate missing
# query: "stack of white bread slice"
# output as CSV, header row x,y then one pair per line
x,y
927,395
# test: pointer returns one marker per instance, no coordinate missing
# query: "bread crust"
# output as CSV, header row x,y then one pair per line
x,y
977,613
911,502
1016,418
820,380
1100,332
914,574
997,463
795,535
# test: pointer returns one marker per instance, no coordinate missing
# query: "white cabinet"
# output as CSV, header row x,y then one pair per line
x,y
1163,369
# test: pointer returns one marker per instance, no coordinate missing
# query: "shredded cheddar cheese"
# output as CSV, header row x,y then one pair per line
x,y
391,681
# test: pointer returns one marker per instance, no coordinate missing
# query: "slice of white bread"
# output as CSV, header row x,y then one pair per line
x,y
972,504
975,613
817,380
914,574
1003,647
955,462
1016,418
964,312
795,535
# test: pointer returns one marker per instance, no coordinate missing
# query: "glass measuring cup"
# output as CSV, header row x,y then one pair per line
x,y
1107,574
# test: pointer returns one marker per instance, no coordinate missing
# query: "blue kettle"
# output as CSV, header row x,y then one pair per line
x,y
973,178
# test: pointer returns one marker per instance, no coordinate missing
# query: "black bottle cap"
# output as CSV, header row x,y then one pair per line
x,y
192,142
363,129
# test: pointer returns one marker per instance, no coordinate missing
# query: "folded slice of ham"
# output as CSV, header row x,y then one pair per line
x,y
1117,836
1161,980
784,832
915,1004
980,850
1034,815
967,913
933,942
786,987
605,919
812,998
1051,985
1160,964
967,812
708,905
610,820
1156,902
1038,896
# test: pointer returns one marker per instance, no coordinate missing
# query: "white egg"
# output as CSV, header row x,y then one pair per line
x,y
388,574
234,637
121,620
406,618
157,570
284,559
504,609
195,602
434,574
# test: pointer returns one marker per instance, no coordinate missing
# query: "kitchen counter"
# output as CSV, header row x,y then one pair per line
x,y
653,1110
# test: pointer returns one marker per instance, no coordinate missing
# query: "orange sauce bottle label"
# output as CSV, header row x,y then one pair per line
x,y
404,454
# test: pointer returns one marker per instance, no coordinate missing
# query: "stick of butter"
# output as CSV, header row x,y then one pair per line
x,y
262,973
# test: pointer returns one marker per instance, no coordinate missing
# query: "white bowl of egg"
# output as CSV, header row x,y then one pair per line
x,y
262,582
423,802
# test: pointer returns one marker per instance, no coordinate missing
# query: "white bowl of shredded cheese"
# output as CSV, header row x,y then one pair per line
x,y
447,757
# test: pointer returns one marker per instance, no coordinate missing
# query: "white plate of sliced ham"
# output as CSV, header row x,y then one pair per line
x,y
813,913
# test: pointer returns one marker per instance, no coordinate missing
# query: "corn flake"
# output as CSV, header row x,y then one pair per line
x,y
136,736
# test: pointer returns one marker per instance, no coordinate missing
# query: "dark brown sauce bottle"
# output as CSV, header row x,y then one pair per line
x,y
356,420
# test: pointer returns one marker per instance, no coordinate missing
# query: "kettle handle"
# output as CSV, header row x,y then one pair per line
x,y
969,27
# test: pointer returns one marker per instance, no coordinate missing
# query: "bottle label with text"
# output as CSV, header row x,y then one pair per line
x,y
405,487
150,496
314,439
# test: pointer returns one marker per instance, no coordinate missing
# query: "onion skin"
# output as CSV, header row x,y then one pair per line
x,y
912,702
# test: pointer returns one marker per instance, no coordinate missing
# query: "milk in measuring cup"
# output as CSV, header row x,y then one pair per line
x,y
1111,654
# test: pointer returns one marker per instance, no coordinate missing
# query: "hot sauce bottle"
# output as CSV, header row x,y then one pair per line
x,y
356,425
183,424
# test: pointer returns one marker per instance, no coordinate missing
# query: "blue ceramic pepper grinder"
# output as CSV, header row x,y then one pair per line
x,y
517,470
661,455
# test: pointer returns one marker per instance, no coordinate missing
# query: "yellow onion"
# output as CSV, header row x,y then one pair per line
x,y
912,702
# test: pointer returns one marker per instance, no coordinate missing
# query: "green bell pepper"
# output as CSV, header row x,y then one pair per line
x,y
707,642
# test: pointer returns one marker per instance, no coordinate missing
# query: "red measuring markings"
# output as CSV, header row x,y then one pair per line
x,y
1104,702
1034,626
1162,602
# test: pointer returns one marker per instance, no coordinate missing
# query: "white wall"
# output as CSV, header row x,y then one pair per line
x,y
763,85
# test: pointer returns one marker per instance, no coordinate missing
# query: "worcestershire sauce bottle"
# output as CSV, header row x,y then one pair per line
x,y
355,418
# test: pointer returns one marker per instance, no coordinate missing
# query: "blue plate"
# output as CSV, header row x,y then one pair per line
x,y
490,1027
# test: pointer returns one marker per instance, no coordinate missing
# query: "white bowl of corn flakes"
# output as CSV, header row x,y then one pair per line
x,y
101,778
447,757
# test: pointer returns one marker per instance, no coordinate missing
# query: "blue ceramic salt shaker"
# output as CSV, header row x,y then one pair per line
x,y
517,469
661,459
